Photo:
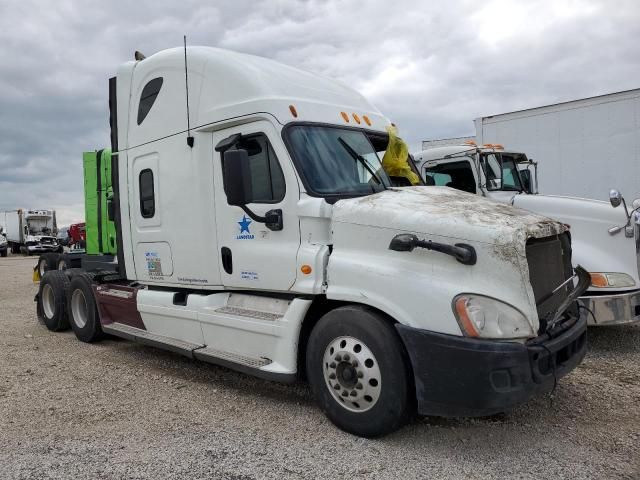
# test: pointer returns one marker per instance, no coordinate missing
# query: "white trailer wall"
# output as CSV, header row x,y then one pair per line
x,y
584,147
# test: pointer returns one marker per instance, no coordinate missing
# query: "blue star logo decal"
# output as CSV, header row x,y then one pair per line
x,y
244,224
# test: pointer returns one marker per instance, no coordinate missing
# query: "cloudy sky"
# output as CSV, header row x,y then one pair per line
x,y
429,66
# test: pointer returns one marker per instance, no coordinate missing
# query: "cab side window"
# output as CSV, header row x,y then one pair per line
x,y
147,194
267,179
148,97
436,178
457,175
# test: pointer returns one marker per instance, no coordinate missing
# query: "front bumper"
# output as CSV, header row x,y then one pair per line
x,y
461,376
42,248
616,309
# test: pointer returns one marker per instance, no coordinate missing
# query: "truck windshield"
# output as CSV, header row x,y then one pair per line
x,y
336,161
501,172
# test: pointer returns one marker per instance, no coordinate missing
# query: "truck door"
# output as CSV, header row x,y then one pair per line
x,y
251,255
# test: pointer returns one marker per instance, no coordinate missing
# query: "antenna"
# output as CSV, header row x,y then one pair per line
x,y
190,139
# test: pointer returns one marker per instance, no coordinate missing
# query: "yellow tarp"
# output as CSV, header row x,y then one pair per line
x,y
396,158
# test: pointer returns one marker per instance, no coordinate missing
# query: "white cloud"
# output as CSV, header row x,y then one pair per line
x,y
429,66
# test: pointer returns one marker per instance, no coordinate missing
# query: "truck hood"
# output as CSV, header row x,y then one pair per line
x,y
446,212
589,221
566,209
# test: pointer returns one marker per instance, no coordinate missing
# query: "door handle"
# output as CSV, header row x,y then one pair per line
x,y
227,259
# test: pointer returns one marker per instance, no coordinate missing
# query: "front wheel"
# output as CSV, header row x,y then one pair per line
x,y
359,371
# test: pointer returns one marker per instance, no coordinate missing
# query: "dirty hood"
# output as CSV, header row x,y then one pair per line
x,y
446,212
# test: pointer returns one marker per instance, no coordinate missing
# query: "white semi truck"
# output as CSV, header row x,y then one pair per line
x,y
605,239
304,261
31,231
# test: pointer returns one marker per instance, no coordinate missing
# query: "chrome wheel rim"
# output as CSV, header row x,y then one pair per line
x,y
62,265
79,308
352,374
48,301
42,267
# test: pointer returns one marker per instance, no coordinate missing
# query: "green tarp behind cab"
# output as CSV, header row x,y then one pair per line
x,y
98,192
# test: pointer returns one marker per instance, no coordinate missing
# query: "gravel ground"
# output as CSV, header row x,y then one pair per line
x,y
121,410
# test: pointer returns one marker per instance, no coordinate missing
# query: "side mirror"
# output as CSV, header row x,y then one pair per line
x,y
111,210
237,177
526,180
615,198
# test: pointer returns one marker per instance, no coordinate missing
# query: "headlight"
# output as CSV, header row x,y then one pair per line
x,y
611,280
485,317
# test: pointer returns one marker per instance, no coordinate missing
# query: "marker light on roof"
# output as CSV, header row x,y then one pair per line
x,y
345,116
470,142
366,120
356,118
293,111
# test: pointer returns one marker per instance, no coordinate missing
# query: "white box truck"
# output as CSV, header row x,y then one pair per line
x,y
303,260
31,231
584,147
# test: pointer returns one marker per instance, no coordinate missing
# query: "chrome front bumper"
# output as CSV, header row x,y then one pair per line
x,y
617,309
42,248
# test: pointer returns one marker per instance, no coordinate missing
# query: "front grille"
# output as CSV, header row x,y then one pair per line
x,y
549,261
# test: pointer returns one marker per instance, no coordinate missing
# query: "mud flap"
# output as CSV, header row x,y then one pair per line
x,y
36,275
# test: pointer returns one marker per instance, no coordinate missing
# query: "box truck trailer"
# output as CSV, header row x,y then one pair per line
x,y
584,147
604,237
31,231
264,235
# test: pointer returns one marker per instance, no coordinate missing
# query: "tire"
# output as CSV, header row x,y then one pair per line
x,y
4,253
83,310
43,266
47,261
52,301
379,388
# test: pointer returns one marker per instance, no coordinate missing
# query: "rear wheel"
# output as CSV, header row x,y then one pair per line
x,y
47,261
359,371
83,310
52,302
62,263
4,252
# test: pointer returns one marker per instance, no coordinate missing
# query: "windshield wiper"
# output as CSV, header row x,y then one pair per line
x,y
356,156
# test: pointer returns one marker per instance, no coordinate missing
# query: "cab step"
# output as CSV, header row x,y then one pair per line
x,y
154,340
247,313
241,363
213,355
